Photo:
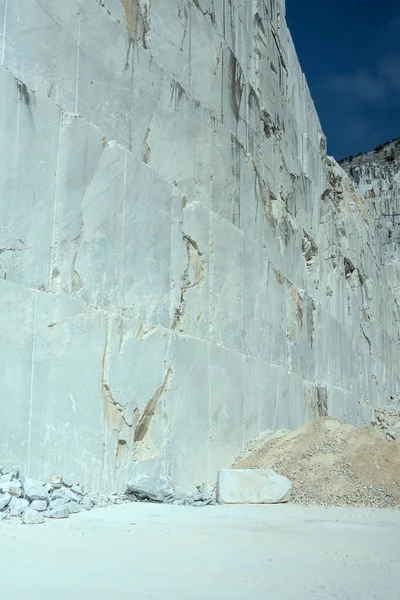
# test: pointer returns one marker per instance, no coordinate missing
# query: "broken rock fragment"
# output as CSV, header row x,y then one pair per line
x,y
32,517
38,505
56,481
252,486
61,512
155,489
11,487
34,490
17,506
86,503
5,500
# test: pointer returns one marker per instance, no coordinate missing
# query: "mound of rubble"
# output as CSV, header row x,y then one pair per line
x,y
33,500
333,464
387,421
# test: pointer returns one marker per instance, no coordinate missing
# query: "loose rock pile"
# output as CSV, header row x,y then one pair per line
x,y
32,500
387,421
330,463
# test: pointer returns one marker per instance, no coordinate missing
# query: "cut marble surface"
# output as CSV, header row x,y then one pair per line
x,y
181,266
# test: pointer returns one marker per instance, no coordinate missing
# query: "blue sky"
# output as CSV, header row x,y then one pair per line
x,y
350,53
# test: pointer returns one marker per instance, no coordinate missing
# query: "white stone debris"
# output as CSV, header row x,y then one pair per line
x,y
11,487
34,500
38,505
5,500
32,517
58,513
252,486
160,488
17,506
87,503
34,490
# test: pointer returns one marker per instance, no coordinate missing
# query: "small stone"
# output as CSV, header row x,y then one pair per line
x,y
5,500
56,481
86,503
58,513
17,506
180,501
78,489
207,488
70,481
6,478
38,505
98,500
34,489
65,493
186,491
73,507
58,493
12,487
59,502
32,517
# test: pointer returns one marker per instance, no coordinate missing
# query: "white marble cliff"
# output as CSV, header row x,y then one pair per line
x,y
377,176
181,266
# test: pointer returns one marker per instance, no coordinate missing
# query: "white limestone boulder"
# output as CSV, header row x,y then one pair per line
x,y
252,486
32,517
34,490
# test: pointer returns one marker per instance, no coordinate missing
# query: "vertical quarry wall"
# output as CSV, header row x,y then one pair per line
x,y
180,265
377,176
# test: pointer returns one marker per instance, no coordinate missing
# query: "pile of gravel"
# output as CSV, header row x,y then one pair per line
x,y
387,421
33,500
330,463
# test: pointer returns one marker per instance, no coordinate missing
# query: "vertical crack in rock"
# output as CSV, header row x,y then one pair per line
x,y
76,283
195,264
367,339
311,322
349,268
361,275
298,301
260,32
205,12
275,211
26,98
310,251
272,129
146,148
150,409
236,85
278,276
322,402
138,20
112,409
116,419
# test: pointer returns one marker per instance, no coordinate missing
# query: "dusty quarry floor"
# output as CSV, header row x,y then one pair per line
x,y
150,551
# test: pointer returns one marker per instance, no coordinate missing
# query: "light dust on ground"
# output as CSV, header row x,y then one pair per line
x,y
331,464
